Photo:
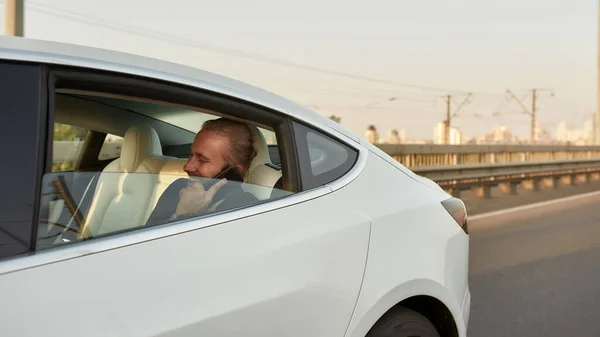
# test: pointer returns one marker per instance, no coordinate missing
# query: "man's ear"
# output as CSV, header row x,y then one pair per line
x,y
240,169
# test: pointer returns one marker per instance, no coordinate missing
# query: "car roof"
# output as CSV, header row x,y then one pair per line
x,y
41,51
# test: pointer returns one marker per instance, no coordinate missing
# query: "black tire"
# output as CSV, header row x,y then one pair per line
x,y
403,322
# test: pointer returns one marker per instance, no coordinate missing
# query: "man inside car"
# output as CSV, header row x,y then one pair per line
x,y
218,162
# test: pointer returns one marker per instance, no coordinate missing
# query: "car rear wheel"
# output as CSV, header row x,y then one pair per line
x,y
403,322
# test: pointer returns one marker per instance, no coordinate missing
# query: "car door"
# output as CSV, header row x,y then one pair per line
x,y
292,266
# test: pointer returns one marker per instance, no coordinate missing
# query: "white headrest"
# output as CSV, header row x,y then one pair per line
x,y
260,145
139,143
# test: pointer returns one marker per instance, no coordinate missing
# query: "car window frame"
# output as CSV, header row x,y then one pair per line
x,y
306,173
124,84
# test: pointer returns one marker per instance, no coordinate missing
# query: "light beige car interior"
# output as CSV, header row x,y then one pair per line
x,y
130,186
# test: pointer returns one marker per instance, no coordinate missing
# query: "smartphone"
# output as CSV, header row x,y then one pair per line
x,y
230,173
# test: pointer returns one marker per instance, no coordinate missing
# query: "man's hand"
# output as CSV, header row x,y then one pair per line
x,y
194,199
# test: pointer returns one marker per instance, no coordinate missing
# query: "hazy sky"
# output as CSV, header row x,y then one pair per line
x,y
418,47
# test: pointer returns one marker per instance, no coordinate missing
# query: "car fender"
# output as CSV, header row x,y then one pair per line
x,y
360,326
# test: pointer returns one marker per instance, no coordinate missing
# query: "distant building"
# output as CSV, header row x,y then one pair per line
x,y
402,135
542,135
566,133
439,135
371,135
500,135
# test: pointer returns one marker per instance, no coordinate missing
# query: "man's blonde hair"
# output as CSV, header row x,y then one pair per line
x,y
241,141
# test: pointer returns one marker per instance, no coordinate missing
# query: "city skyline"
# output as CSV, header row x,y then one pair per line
x,y
566,133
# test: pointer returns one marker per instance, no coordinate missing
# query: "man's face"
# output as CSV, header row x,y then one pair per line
x,y
207,155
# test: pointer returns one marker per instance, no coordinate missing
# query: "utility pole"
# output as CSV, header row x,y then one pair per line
x,y
447,123
533,96
597,115
13,18
534,93
449,114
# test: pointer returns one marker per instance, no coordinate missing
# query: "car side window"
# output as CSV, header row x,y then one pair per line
x,y
111,148
67,144
323,159
271,140
141,175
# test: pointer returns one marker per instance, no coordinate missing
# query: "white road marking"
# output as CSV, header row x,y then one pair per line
x,y
535,205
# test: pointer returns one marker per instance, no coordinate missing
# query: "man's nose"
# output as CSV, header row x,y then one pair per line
x,y
189,168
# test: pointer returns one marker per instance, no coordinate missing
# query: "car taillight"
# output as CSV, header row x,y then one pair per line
x,y
458,211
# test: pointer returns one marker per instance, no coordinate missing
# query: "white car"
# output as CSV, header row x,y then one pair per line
x,y
343,240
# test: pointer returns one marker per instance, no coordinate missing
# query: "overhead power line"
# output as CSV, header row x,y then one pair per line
x,y
115,26
378,96
449,114
532,112
130,29
379,91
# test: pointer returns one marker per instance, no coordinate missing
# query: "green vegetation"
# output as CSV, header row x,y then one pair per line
x,y
68,132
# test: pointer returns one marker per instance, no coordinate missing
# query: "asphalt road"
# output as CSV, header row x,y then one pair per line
x,y
536,272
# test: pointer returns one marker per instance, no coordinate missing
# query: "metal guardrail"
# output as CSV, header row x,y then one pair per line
x,y
460,177
460,167
457,172
419,155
